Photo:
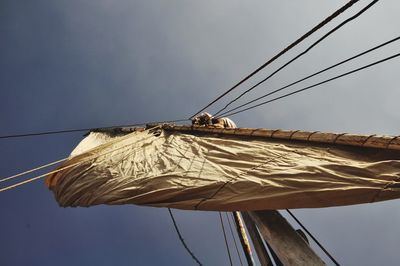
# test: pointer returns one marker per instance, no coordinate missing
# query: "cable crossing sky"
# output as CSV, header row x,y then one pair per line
x,y
301,54
312,75
299,40
317,84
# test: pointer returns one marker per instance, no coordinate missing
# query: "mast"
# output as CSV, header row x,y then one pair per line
x,y
243,238
258,244
289,246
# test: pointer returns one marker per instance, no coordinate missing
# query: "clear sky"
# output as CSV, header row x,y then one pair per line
x,y
71,64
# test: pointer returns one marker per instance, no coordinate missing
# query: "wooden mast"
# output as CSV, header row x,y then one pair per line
x,y
255,237
289,246
243,238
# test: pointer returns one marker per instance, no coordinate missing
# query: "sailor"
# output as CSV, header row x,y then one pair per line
x,y
205,119
223,122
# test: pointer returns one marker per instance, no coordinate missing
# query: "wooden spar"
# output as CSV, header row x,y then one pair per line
x,y
243,238
371,141
288,245
255,237
277,261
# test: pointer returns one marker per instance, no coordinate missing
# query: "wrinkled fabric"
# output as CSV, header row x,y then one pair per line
x,y
222,173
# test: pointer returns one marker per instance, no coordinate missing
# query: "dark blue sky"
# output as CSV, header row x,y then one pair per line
x,y
72,64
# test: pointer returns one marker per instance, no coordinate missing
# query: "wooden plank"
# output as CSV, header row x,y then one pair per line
x,y
255,237
288,245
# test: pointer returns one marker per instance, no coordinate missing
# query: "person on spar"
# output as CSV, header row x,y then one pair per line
x,y
205,119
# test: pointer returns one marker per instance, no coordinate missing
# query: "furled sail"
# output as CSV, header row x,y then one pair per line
x,y
199,168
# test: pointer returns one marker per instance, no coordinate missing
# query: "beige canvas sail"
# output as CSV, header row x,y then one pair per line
x,y
228,169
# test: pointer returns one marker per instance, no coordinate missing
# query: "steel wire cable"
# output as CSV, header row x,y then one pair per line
x,y
226,240
299,55
315,85
313,75
234,239
315,240
299,40
182,240
86,129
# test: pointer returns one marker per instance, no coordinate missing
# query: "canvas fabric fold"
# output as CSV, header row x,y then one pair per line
x,y
167,168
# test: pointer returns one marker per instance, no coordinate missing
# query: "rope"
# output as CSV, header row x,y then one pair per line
x,y
226,241
33,170
37,177
312,75
60,169
301,54
86,129
317,27
243,238
234,239
315,240
315,85
181,238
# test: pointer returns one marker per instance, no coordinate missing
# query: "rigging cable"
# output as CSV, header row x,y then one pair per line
x,y
301,54
86,129
312,75
315,240
59,169
226,241
315,85
317,27
181,238
33,170
37,177
234,239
